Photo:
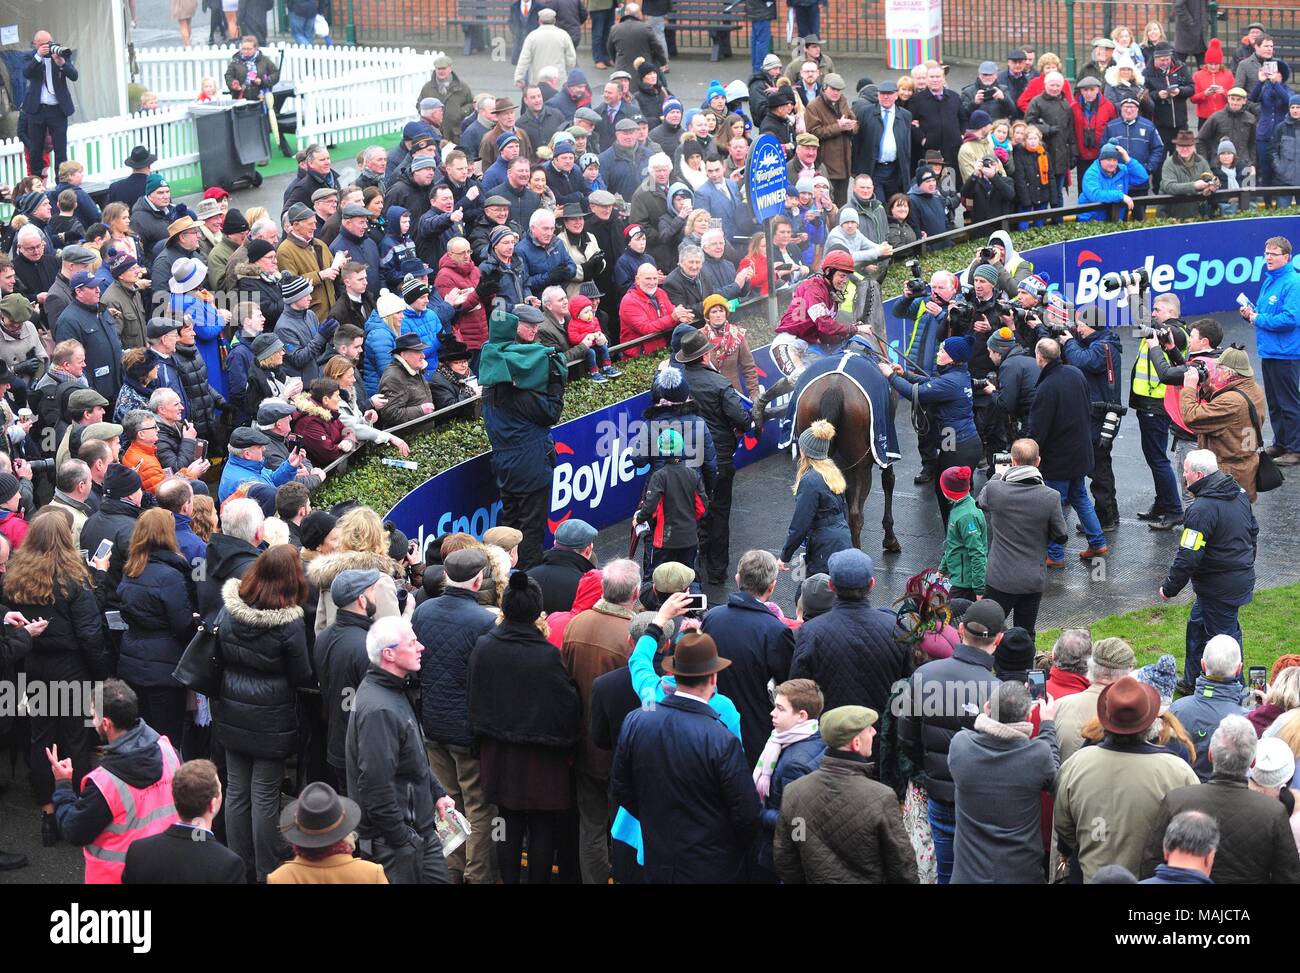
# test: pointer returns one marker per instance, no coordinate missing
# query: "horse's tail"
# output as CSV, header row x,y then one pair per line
x,y
831,407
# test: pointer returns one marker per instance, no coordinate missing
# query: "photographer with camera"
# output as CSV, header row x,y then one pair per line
x,y
1186,173
48,103
978,319
1096,353
987,95
1171,364
927,307
949,395
1012,394
1164,329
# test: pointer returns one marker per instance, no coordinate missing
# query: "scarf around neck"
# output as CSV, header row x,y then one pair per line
x,y
1003,731
778,741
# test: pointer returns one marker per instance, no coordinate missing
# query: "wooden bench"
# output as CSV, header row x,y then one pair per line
x,y
717,17
489,15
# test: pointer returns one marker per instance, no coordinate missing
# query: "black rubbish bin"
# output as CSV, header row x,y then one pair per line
x,y
233,139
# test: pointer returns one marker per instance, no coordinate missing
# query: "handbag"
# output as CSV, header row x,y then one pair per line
x,y
1267,475
199,667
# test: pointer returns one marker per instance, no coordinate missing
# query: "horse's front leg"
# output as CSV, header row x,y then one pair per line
x,y
890,542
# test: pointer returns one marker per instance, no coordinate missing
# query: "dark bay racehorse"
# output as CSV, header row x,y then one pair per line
x,y
840,402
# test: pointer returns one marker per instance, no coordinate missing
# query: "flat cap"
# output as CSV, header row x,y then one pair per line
x,y
602,197
850,568
77,254
271,411
843,723
506,538
83,399
626,125
160,327
575,533
671,577
246,438
349,585
463,565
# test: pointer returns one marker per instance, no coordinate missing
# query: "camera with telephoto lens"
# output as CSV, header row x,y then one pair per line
x,y
40,467
982,384
961,313
1110,417
1203,377
1020,315
987,255
915,286
1114,284
58,50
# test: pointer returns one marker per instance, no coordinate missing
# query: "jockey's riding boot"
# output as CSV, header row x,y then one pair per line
x,y
779,388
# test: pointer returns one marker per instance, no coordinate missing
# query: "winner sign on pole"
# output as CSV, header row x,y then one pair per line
x,y
767,182
912,30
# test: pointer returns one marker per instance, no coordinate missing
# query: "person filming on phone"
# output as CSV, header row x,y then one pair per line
x,y
273,421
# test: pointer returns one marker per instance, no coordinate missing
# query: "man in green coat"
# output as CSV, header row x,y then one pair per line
x,y
965,549
1182,175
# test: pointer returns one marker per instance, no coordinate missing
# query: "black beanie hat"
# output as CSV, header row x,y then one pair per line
x,y
1015,653
316,526
120,481
522,600
9,487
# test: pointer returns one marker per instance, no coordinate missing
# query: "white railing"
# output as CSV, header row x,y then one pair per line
x,y
103,144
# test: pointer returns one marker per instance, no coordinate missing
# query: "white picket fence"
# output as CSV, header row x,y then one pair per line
x,y
340,93
102,145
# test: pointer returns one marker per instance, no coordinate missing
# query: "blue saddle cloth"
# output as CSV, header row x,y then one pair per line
x,y
864,373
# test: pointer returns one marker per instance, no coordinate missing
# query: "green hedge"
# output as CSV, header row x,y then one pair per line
x,y
382,486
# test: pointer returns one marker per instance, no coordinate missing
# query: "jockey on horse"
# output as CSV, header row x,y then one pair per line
x,y
812,326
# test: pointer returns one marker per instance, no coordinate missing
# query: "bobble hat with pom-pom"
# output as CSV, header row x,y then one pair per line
x,y
522,599
815,441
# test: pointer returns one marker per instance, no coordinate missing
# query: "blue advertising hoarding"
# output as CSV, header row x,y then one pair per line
x,y
597,479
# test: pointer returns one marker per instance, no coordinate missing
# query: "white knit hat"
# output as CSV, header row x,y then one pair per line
x,y
389,303
1274,764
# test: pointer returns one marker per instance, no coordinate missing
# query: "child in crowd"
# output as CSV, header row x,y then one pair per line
x,y
965,548
631,258
675,500
582,322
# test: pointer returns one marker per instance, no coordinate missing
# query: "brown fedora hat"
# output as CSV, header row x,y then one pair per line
x,y
1184,137
1127,706
695,345
696,655
319,817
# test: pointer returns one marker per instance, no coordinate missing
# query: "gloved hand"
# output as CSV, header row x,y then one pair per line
x,y
328,327
559,275
594,267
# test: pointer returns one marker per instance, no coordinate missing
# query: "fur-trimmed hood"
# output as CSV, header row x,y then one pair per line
x,y
245,614
323,570
304,403
248,269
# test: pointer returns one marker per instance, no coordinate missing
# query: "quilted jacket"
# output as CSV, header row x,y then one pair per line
x,y
1256,845
448,626
853,829
852,655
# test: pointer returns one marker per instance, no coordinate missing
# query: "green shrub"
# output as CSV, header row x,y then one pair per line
x,y
446,445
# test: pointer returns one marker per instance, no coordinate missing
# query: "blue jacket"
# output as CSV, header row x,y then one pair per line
x,y
950,398
1168,875
158,608
238,470
922,344
363,250
394,247
537,263
238,364
448,626
929,214
208,331
518,423
721,206
625,268
1061,420
1273,98
652,689
1216,551
97,333
1101,188
623,176
760,647
506,282
1203,711
377,351
193,547
797,760
852,655
819,520
1102,370
429,324
680,772
1277,323
1140,139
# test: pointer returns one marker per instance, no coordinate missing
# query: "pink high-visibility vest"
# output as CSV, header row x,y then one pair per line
x,y
138,812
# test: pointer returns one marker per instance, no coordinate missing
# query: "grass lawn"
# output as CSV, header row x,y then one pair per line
x,y
1268,623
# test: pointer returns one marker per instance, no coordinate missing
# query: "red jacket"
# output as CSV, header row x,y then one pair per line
x,y
320,429
470,323
640,315
1061,684
811,314
1207,105
579,329
589,592
14,527
1035,88
1102,117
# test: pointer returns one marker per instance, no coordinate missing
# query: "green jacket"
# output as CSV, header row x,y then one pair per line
x,y
965,549
1178,178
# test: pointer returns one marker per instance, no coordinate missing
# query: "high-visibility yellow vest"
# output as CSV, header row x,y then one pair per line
x,y
1146,381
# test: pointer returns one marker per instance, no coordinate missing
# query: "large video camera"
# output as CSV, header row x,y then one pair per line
x,y
1113,285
